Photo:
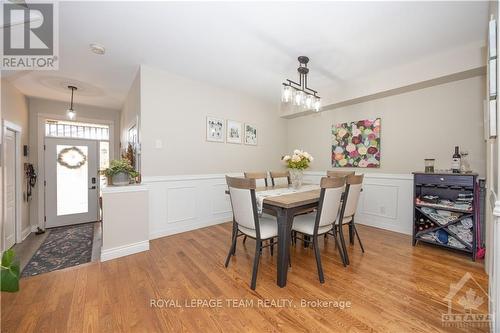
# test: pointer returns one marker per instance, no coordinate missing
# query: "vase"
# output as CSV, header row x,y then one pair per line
x,y
296,176
121,179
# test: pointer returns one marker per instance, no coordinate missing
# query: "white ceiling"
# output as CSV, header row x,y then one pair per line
x,y
249,47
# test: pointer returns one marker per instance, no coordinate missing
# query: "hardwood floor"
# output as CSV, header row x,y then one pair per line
x,y
392,287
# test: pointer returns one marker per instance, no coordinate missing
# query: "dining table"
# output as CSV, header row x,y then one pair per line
x,y
285,206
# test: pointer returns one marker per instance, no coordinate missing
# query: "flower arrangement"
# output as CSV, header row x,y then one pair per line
x,y
120,166
299,160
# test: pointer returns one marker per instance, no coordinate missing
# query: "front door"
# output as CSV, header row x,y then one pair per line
x,y
72,182
10,189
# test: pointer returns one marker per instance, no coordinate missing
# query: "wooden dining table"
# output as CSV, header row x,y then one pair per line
x,y
286,206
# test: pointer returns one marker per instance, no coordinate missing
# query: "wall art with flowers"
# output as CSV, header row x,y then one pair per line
x,y
356,144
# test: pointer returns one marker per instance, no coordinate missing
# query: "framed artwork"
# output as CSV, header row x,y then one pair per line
x,y
215,129
250,135
233,132
356,144
492,68
492,38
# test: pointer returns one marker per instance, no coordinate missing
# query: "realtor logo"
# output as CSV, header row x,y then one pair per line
x,y
30,37
474,301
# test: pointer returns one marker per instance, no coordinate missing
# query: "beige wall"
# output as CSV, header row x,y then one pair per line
x,y
15,110
130,110
174,111
39,106
425,123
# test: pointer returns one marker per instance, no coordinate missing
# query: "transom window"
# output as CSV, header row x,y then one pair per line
x,y
66,129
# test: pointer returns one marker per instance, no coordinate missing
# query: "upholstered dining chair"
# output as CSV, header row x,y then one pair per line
x,y
335,173
280,178
314,225
260,177
350,204
247,222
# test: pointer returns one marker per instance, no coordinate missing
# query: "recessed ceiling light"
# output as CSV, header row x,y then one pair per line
x,y
97,48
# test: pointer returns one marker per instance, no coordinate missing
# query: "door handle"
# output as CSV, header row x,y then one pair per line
x,y
92,188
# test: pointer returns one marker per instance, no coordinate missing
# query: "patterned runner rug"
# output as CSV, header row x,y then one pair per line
x,y
64,247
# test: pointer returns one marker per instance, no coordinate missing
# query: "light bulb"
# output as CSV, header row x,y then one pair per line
x,y
299,98
71,113
317,104
309,101
286,95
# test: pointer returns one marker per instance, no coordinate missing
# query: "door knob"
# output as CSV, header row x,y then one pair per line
x,y
92,188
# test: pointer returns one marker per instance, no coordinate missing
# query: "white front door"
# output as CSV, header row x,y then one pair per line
x,y
10,188
71,181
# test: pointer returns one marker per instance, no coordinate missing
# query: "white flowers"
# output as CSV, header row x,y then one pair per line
x,y
299,160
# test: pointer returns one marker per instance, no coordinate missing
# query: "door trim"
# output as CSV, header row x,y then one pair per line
x,y
42,118
7,125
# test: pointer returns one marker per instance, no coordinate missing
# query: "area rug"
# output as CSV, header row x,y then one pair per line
x,y
64,247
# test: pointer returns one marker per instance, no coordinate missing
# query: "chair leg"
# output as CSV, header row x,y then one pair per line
x,y
271,248
244,239
342,244
318,259
337,241
359,239
351,234
232,249
235,232
258,247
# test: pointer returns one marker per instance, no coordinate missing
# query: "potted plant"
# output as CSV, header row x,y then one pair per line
x,y
297,163
9,272
120,172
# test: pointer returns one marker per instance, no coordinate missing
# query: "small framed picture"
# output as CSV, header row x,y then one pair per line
x,y
492,34
233,132
492,119
215,129
492,69
250,135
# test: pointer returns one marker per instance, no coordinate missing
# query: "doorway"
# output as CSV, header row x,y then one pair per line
x,y
11,188
71,181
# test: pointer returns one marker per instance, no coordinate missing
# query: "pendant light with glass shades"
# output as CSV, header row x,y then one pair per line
x,y
70,112
299,94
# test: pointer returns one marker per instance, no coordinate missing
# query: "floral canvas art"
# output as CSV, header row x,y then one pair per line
x,y
356,144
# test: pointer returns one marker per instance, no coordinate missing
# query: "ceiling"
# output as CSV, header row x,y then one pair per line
x,y
248,47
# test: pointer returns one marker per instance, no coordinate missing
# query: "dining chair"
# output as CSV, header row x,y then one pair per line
x,y
260,177
350,203
335,173
314,225
247,222
280,177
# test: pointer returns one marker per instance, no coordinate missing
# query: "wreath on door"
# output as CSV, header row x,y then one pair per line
x,y
71,158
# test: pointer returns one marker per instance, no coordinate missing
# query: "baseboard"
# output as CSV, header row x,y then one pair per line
x,y
124,250
26,232
177,229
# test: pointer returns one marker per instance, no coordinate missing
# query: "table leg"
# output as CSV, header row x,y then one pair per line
x,y
285,220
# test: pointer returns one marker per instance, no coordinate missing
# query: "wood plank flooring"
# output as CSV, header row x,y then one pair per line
x,y
393,287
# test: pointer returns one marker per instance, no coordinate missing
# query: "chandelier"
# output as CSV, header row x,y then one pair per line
x,y
71,112
298,93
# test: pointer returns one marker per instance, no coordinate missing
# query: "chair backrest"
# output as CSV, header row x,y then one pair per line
x,y
352,192
242,194
331,195
260,177
280,177
334,173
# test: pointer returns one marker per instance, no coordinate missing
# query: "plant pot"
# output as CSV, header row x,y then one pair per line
x,y
296,177
121,179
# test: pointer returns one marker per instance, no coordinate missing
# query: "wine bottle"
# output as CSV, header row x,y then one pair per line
x,y
455,162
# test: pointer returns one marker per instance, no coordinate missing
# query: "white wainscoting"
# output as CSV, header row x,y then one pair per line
x,y
386,201
183,203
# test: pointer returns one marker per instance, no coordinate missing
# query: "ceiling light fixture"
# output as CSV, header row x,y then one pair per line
x,y
97,48
298,93
70,112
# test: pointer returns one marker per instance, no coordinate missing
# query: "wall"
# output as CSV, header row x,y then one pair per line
x,y
15,110
425,123
131,109
38,107
174,111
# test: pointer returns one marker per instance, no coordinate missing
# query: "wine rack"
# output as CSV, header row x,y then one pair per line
x,y
445,210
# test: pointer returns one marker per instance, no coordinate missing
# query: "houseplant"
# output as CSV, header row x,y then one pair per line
x,y
9,272
297,163
120,172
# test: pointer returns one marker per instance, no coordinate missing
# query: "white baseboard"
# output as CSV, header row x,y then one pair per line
x,y
26,232
125,250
